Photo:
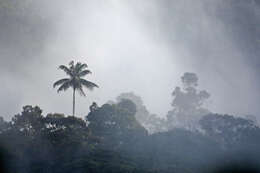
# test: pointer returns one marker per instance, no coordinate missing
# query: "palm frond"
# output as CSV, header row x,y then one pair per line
x,y
84,73
65,86
72,68
79,67
88,84
81,92
61,81
71,63
66,70
83,66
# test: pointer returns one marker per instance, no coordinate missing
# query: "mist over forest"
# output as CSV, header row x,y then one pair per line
x,y
149,86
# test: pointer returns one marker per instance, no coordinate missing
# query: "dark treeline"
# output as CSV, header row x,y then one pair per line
x,y
110,139
123,136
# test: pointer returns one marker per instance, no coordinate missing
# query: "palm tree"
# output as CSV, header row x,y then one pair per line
x,y
76,72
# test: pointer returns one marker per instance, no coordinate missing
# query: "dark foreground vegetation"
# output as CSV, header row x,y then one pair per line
x,y
112,140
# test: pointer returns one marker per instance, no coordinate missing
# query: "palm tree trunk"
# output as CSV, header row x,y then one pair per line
x,y
73,102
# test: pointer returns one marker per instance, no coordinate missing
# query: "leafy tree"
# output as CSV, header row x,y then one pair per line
x,y
30,121
115,124
187,104
152,122
229,130
65,131
238,138
93,107
76,72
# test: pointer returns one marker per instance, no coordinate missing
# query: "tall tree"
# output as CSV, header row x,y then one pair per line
x,y
76,72
187,104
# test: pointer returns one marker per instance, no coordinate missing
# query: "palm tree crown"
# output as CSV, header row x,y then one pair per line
x,y
76,72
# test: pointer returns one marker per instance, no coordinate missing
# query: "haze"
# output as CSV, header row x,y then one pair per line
x,y
139,46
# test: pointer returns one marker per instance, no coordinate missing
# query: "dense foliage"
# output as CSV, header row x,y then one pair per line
x,y
112,140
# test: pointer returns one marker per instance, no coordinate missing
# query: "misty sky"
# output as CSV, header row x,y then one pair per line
x,y
130,45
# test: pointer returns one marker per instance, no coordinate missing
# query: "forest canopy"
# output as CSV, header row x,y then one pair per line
x,y
123,136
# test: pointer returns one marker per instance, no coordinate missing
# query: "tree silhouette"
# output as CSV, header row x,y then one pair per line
x,y
76,72
187,104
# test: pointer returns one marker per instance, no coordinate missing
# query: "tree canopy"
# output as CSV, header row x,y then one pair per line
x,y
112,140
